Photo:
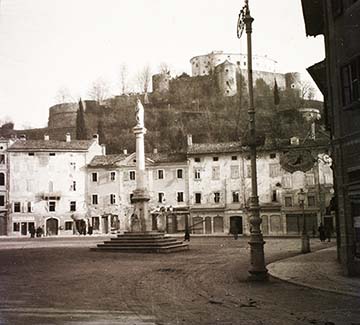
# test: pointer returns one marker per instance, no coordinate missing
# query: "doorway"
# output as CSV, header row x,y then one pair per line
x,y
52,226
236,225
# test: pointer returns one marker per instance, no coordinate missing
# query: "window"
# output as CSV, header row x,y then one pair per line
x,y
161,197
94,199
29,207
73,186
216,172
272,155
197,173
52,154
2,179
311,200
112,199
274,196
286,181
216,197
234,157
17,207
180,196
160,173
132,175
274,170
310,179
288,201
73,206
112,176
131,198
235,197
215,158
52,206
2,159
16,226
2,200
94,177
31,154
198,198
197,159
234,172
29,185
68,225
350,84
179,173
95,223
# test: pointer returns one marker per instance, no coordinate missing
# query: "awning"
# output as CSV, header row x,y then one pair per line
x,y
313,12
318,74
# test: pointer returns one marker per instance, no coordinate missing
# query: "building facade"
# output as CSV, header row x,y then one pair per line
x,y
338,78
47,184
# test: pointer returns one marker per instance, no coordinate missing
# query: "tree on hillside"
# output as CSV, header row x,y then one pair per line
x,y
307,90
63,95
81,133
144,78
124,74
99,90
100,132
164,68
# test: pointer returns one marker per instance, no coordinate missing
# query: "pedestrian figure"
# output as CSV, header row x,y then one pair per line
x,y
38,231
32,232
187,235
321,230
328,232
236,235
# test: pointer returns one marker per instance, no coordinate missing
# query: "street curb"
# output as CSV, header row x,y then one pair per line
x,y
302,283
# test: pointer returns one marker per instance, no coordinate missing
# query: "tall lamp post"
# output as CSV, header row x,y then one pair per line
x,y
305,241
257,270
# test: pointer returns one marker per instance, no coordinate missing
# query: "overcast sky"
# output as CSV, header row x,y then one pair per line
x,y
46,45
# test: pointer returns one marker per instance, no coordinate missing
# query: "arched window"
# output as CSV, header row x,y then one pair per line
x,y
2,179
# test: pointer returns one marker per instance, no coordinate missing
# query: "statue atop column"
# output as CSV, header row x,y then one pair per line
x,y
139,113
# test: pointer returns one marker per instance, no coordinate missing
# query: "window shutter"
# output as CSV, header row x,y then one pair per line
x,y
155,174
126,175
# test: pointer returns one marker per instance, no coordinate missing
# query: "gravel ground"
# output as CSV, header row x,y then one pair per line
x,y
205,285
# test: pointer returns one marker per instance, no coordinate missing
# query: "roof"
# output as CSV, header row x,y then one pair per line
x,y
313,12
221,147
51,145
111,160
108,160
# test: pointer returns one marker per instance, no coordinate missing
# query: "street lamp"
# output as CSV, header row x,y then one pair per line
x,y
305,241
257,270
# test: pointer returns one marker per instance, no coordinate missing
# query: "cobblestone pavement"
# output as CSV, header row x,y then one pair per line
x,y
206,285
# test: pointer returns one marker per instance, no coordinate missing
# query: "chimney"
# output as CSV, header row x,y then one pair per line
x,y
68,137
46,137
23,137
125,151
189,140
96,138
103,150
155,151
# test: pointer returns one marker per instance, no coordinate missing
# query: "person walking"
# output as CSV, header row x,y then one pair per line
x,y
321,230
187,234
328,232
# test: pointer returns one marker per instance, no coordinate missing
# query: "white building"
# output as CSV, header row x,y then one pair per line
x,y
48,184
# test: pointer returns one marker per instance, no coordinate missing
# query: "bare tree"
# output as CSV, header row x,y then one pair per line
x,y
144,79
124,73
63,95
164,68
307,90
99,90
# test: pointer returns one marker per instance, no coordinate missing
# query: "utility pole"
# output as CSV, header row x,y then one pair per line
x,y
257,269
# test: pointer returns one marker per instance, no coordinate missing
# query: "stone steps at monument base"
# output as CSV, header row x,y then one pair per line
x,y
147,242
138,240
174,247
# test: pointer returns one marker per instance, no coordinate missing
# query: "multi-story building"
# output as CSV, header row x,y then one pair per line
x,y
48,184
4,186
112,180
220,186
338,78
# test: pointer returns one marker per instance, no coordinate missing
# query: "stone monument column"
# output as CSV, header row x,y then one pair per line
x,y
140,219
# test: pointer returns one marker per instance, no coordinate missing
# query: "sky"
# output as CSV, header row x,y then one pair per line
x,y
48,45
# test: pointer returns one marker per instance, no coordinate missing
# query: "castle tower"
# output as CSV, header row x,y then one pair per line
x,y
226,78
